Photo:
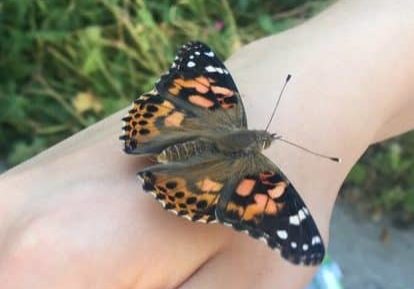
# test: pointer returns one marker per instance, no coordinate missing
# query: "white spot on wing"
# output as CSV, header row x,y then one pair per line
x,y
293,245
305,247
197,53
209,54
191,64
220,70
294,220
302,215
282,234
316,240
210,68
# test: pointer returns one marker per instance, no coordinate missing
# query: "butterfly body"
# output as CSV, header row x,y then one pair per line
x,y
210,166
235,144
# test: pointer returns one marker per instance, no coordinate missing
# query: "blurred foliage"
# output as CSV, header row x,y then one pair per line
x,y
382,182
65,64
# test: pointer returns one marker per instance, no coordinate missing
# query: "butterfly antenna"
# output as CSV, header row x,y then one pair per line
x,y
278,100
338,160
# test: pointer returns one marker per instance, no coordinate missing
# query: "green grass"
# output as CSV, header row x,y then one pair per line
x,y
66,64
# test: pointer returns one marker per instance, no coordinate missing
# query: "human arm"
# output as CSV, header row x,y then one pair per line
x,y
75,215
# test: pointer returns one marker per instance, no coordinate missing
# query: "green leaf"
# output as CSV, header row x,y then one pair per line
x,y
23,150
357,175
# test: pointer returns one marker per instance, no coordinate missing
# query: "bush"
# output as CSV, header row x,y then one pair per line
x,y
383,180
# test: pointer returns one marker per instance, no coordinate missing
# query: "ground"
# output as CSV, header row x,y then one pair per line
x,y
366,259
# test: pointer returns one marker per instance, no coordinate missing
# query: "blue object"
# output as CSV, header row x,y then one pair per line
x,y
329,276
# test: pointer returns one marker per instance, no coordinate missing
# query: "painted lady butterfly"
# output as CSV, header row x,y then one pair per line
x,y
210,166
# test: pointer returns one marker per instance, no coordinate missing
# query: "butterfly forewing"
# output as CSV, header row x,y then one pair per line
x,y
198,77
196,94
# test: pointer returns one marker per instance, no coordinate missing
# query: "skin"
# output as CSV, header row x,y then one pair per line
x,y
75,216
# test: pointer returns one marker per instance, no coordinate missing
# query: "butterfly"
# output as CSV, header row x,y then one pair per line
x,y
210,166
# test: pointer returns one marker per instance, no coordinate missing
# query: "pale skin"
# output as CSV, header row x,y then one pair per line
x,y
76,217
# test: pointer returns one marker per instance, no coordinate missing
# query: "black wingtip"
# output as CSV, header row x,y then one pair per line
x,y
289,76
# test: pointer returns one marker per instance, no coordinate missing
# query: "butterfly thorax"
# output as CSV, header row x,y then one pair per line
x,y
243,142
239,143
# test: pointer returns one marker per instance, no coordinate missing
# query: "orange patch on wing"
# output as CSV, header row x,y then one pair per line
x,y
163,109
251,212
245,187
208,185
168,105
278,190
174,90
199,86
222,90
234,208
136,115
256,209
271,207
203,80
261,199
200,101
174,119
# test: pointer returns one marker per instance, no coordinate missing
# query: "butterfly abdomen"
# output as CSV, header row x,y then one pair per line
x,y
186,150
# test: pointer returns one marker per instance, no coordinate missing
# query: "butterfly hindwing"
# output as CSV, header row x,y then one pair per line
x,y
189,189
267,206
